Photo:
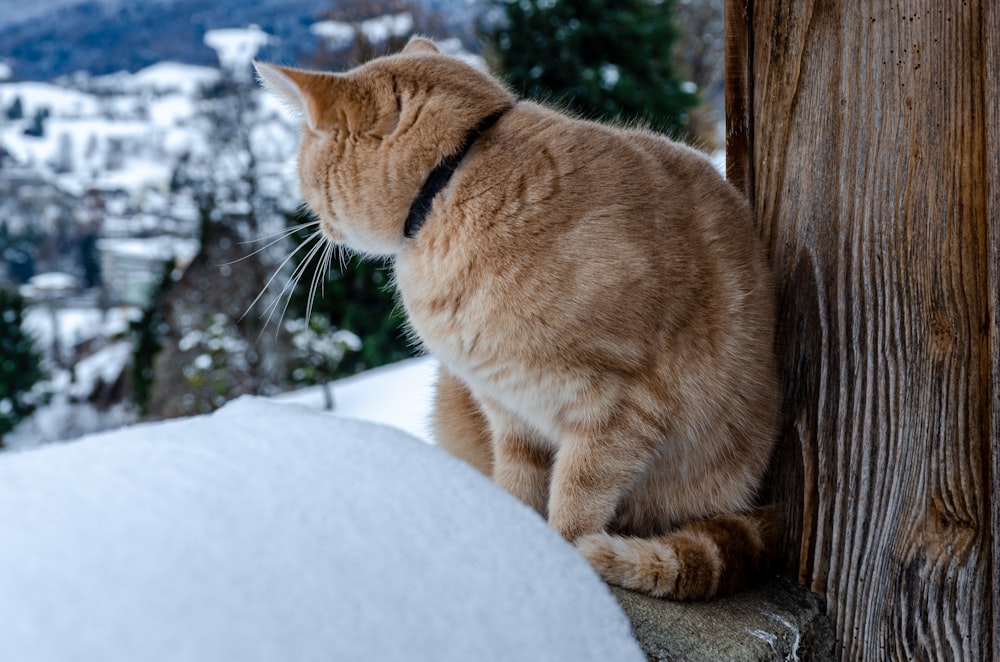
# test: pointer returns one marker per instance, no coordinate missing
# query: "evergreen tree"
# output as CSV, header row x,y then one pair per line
x,y
147,341
20,363
605,59
90,260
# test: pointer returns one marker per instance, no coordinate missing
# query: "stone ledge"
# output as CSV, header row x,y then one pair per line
x,y
778,620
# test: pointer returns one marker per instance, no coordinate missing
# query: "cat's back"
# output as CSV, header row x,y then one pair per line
x,y
585,228
572,173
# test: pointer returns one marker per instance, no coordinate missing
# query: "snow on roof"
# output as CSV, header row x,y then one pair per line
x,y
162,248
73,139
75,325
171,110
236,47
174,77
54,280
61,101
270,531
162,77
140,174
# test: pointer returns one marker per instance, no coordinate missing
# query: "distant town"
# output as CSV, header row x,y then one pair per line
x,y
106,185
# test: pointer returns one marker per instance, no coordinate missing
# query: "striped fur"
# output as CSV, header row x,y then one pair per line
x,y
598,299
702,560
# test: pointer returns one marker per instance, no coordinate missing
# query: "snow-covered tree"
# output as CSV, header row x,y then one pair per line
x,y
354,32
317,350
220,354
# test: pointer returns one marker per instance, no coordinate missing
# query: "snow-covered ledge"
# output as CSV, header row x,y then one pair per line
x,y
271,531
274,531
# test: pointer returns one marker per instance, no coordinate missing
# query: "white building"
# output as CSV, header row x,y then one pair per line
x,y
132,268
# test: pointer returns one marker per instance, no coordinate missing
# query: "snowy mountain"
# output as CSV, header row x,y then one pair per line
x,y
42,41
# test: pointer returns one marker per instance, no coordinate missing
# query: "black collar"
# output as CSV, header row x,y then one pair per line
x,y
441,175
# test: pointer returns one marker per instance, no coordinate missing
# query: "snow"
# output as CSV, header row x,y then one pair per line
x,y
80,144
76,324
185,79
453,47
53,281
161,78
104,365
398,395
377,30
60,101
337,34
161,248
272,531
610,75
237,47
171,110
139,174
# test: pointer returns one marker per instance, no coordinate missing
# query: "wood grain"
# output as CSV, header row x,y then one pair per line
x,y
991,37
873,152
739,95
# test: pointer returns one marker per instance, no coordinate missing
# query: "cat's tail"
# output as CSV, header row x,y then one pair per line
x,y
702,560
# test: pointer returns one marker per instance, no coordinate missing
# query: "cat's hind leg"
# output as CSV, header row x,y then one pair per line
x,y
458,423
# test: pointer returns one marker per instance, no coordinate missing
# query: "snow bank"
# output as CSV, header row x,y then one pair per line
x,y
398,394
270,531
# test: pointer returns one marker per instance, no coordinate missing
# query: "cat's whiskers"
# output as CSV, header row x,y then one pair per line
x,y
275,238
319,276
294,281
285,232
277,271
344,255
327,264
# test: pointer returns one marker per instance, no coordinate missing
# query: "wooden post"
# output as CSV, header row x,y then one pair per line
x,y
867,135
991,45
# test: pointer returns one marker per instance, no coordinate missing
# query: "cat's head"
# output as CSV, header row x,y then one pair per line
x,y
372,135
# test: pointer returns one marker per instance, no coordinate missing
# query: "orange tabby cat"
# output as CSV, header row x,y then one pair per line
x,y
597,297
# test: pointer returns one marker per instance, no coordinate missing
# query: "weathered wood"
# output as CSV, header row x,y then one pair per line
x,y
739,92
991,37
873,168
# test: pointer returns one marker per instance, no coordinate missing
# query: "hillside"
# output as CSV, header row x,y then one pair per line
x,y
105,36
101,38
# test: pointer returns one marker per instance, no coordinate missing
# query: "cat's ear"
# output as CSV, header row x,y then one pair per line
x,y
420,45
303,91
